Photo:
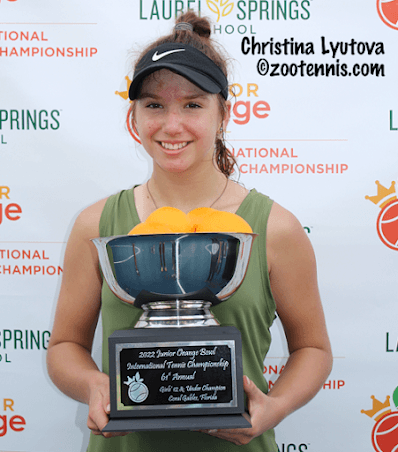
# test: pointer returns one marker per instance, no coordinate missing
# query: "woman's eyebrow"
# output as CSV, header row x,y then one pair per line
x,y
197,96
146,95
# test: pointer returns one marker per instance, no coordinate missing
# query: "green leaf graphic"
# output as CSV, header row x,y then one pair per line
x,y
395,396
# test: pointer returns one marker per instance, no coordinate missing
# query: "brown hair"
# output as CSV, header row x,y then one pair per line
x,y
200,39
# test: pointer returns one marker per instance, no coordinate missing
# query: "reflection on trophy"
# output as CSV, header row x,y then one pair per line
x,y
177,369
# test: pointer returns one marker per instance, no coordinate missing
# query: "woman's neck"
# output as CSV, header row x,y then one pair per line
x,y
187,191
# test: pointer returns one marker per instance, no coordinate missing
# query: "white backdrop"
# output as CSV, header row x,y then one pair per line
x,y
315,144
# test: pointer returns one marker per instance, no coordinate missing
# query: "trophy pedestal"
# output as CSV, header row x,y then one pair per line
x,y
176,379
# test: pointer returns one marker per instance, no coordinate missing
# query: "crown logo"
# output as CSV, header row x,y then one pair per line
x,y
384,195
379,409
124,94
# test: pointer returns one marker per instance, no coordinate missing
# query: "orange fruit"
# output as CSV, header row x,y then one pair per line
x,y
150,228
172,218
199,215
211,220
166,220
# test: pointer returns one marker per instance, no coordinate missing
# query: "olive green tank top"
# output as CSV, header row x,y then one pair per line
x,y
251,309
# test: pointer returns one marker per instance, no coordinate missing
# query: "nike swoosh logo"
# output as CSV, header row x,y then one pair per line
x,y
156,56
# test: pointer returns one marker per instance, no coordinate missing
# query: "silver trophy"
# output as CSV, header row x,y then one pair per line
x,y
177,369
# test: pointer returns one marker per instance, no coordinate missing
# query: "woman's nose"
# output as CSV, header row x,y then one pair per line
x,y
173,122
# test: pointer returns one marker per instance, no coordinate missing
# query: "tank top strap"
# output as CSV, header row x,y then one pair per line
x,y
255,209
119,214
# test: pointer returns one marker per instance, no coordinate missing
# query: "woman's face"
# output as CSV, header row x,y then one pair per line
x,y
177,122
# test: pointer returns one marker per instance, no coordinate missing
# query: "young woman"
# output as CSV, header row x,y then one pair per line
x,y
179,111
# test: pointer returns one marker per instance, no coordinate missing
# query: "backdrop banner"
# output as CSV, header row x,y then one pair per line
x,y
314,126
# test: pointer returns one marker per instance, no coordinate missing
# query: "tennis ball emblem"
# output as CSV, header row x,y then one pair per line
x,y
387,220
138,391
385,431
388,12
387,225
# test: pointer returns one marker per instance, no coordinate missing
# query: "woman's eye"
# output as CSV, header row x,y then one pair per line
x,y
193,105
153,105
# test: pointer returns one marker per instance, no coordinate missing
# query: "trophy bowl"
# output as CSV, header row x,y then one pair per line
x,y
163,374
175,278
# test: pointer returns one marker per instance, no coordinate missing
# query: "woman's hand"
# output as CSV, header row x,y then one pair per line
x,y
99,406
264,414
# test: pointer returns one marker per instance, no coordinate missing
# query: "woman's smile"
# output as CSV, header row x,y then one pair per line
x,y
173,146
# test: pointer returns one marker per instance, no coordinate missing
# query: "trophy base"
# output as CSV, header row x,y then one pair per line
x,y
176,379
177,423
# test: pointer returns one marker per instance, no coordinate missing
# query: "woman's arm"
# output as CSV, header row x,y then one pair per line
x,y
294,286
69,360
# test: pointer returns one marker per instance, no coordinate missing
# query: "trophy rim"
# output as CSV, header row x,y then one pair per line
x,y
245,238
253,234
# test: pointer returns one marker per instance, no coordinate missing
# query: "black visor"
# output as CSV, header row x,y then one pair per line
x,y
184,60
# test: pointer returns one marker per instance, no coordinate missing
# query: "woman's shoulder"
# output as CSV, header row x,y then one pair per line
x,y
87,222
286,237
282,222
90,217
